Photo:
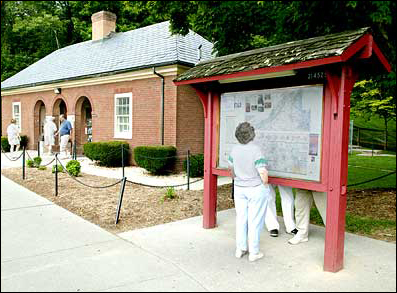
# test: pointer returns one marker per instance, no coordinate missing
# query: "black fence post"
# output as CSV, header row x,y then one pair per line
x,y
38,148
122,160
188,169
23,163
233,189
56,174
74,151
120,199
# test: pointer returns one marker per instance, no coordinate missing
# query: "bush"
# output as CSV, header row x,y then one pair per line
x,y
24,141
107,153
60,168
5,146
37,161
30,163
170,193
155,159
73,167
196,165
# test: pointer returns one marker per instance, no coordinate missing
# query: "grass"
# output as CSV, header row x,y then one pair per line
x,y
361,169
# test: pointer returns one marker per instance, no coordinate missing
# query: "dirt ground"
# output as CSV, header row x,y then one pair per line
x,y
144,206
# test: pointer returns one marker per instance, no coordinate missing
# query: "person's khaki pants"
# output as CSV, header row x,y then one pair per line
x,y
64,144
303,203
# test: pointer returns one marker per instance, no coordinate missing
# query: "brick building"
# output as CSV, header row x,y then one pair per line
x,y
117,86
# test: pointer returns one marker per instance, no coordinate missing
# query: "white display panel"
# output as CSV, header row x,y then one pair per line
x,y
288,128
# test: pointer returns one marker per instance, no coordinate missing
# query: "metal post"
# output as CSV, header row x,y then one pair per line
x,y
56,174
188,169
120,199
74,151
23,163
122,160
38,148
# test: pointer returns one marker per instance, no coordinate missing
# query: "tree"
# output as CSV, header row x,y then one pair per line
x,y
368,99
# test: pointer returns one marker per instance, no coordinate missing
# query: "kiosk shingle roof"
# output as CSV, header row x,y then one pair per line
x,y
283,54
136,49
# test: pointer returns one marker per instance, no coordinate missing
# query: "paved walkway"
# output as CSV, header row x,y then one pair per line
x,y
46,248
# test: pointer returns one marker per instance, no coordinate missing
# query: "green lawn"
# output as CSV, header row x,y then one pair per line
x,y
362,169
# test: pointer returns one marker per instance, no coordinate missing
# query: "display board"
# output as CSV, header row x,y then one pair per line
x,y
288,128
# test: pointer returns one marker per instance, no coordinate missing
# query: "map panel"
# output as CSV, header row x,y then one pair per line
x,y
288,128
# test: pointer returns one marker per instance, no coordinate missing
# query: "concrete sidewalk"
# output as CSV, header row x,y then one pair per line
x,y
46,248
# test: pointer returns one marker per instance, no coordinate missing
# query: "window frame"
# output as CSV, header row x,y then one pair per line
x,y
117,133
19,124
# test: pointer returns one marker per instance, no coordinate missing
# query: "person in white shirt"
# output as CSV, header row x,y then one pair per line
x,y
251,191
14,138
49,134
287,205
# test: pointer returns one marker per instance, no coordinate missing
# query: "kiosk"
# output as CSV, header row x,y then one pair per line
x,y
298,94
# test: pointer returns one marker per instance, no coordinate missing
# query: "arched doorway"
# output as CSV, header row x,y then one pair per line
x,y
39,120
58,109
83,123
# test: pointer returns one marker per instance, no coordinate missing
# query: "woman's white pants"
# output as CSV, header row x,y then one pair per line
x,y
287,205
250,204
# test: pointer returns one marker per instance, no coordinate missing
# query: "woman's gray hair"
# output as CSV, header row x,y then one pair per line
x,y
245,133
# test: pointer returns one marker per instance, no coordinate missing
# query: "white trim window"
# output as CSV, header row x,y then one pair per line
x,y
16,114
123,115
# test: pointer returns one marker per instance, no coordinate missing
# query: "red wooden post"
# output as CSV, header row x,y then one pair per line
x,y
339,88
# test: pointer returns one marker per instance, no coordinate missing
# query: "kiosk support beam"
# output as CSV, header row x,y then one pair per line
x,y
340,86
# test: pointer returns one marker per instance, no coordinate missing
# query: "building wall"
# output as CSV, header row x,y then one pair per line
x,y
183,121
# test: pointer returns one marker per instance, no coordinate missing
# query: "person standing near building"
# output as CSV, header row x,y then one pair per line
x,y
14,138
287,205
49,134
65,131
303,203
251,192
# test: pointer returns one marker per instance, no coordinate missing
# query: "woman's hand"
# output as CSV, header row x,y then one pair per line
x,y
264,176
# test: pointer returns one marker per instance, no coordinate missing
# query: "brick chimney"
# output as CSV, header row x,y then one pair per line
x,y
103,23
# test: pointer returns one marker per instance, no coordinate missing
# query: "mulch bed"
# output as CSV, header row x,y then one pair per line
x,y
144,206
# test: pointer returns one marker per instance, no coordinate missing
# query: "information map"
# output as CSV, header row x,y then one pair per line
x,y
288,128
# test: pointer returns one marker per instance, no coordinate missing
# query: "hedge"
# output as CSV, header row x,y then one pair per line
x,y
107,153
196,165
5,146
155,159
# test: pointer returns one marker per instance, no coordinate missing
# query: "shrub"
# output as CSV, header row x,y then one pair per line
x,y
60,168
5,146
155,159
37,161
196,165
24,141
73,167
107,153
169,194
30,163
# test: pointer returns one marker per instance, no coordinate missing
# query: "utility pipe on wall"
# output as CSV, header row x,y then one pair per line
x,y
162,104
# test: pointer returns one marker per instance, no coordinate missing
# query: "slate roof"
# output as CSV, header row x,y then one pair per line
x,y
136,49
283,54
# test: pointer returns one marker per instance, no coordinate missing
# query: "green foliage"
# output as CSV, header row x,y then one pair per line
x,y
30,163
73,167
37,161
5,146
196,165
108,153
155,159
55,167
170,194
42,168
